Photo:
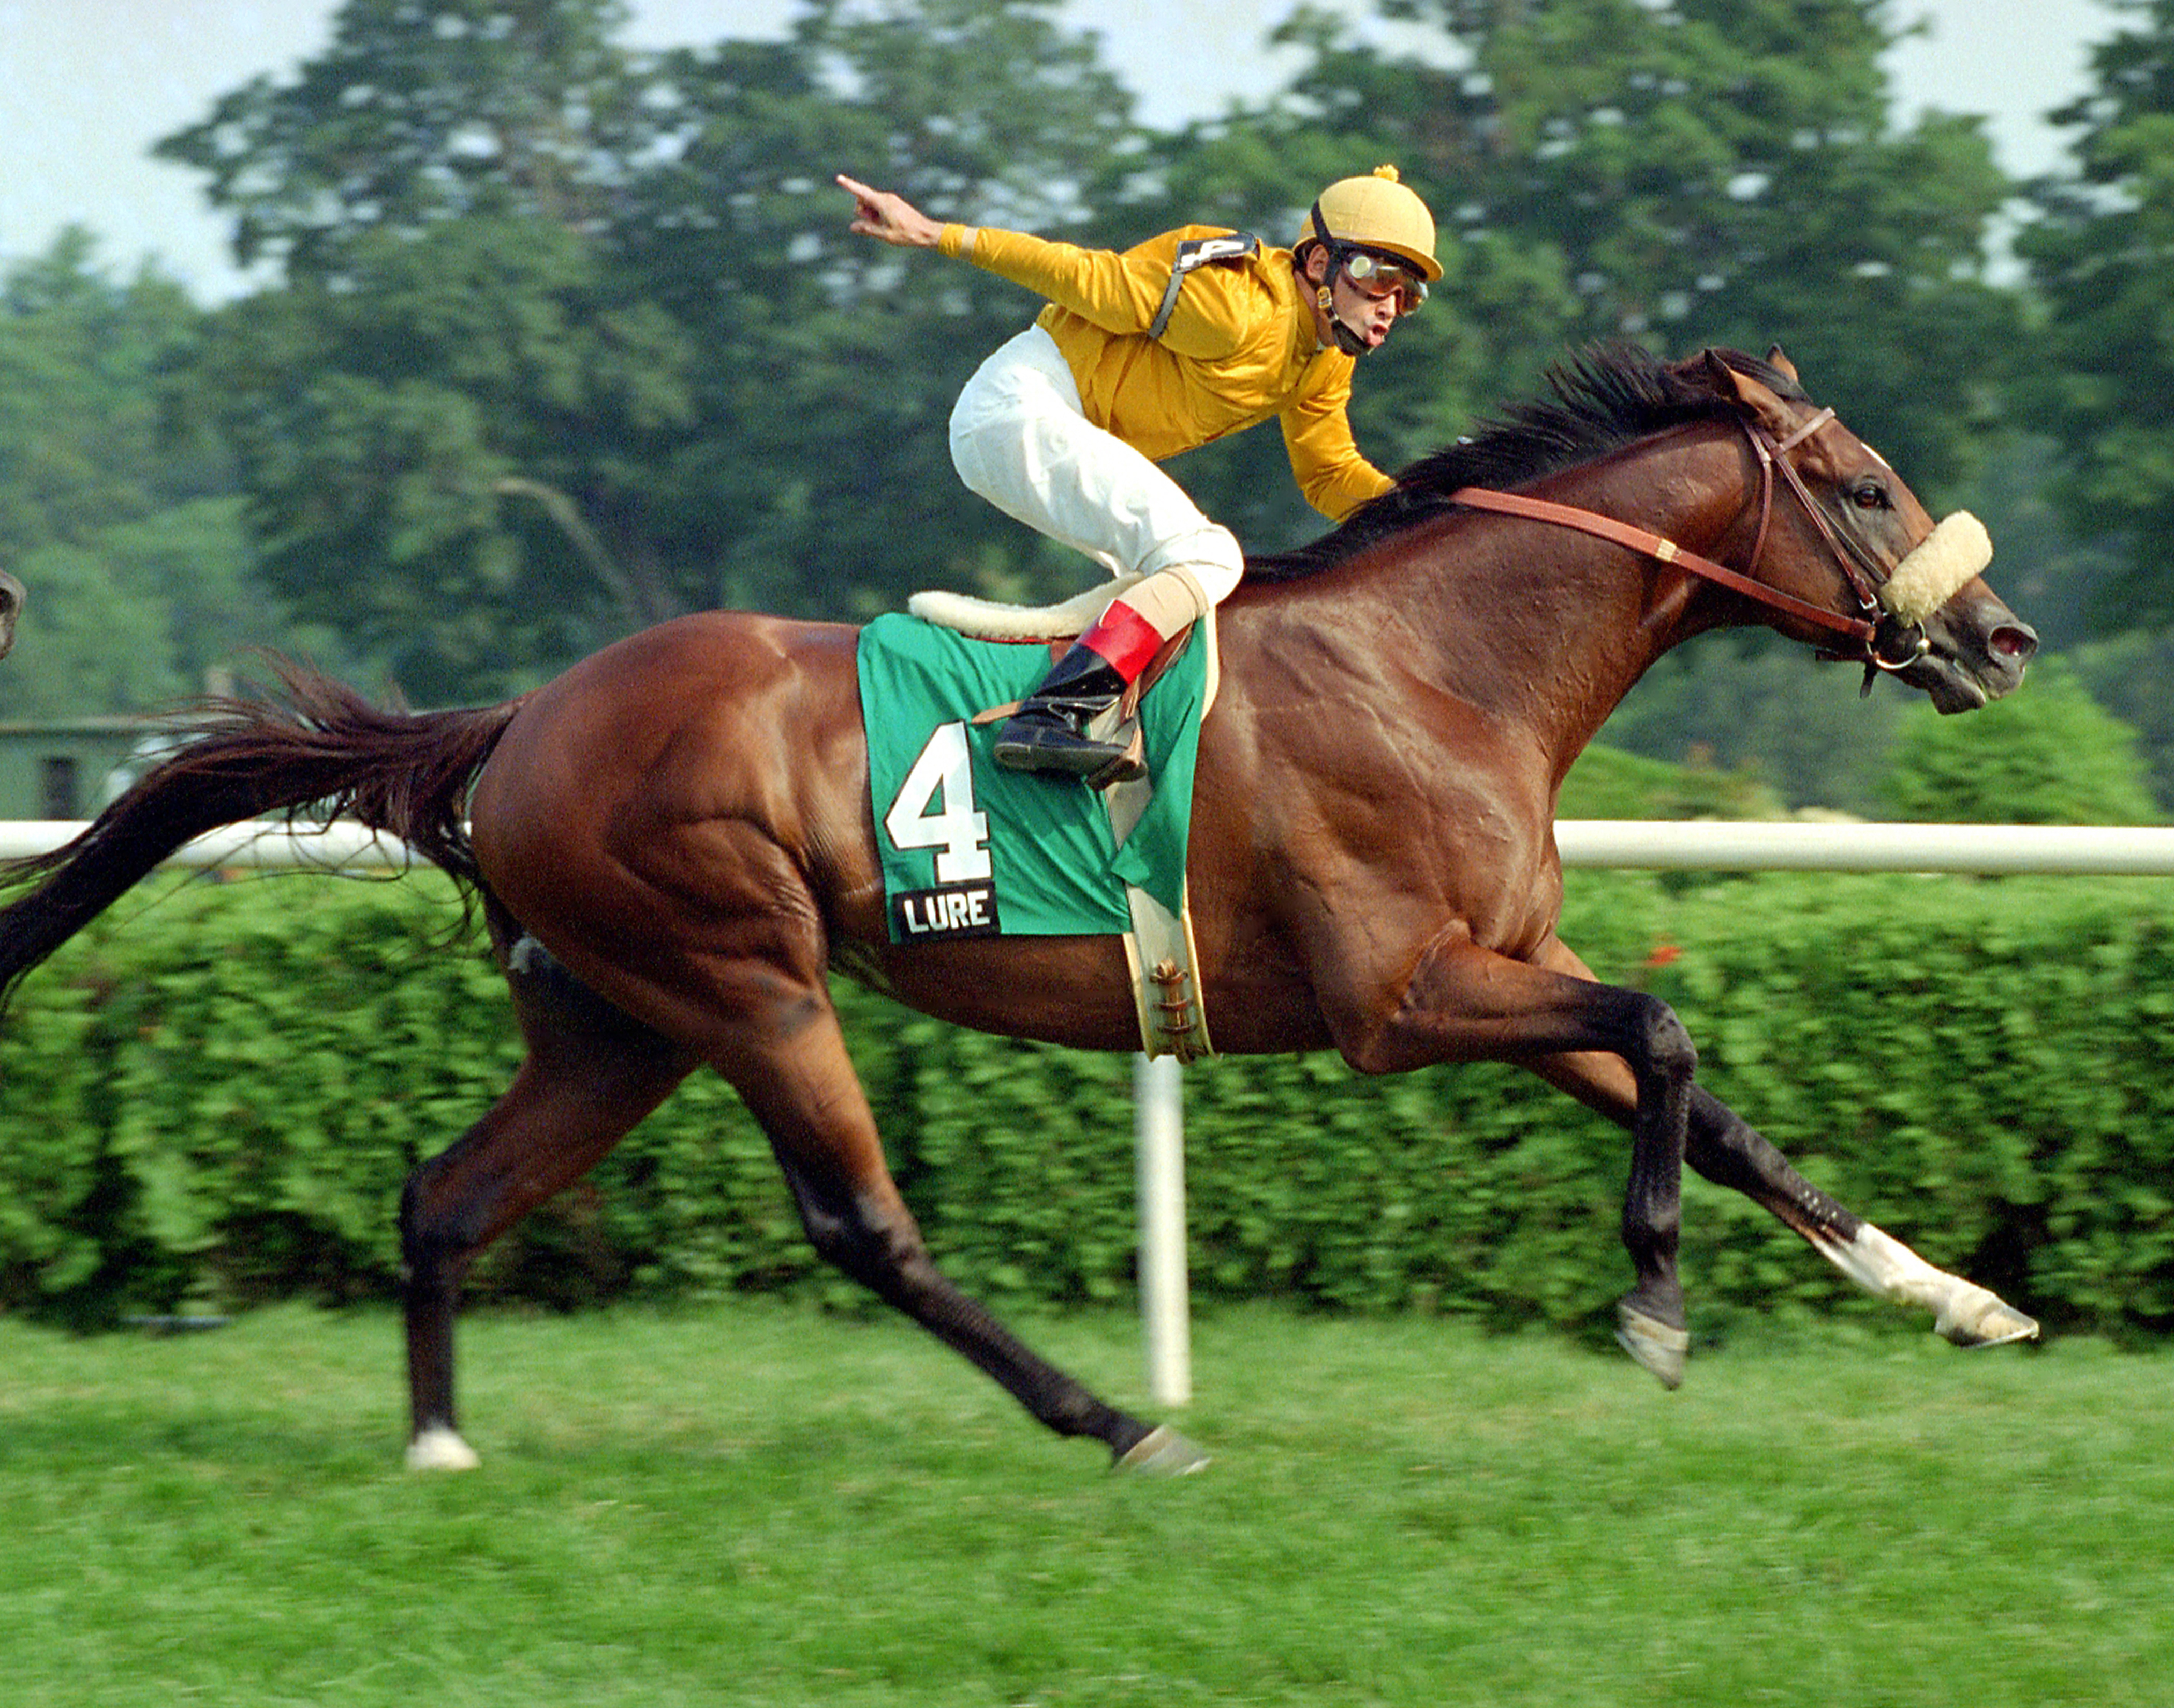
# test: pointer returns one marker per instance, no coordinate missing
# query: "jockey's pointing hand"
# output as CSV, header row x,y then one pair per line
x,y
889,218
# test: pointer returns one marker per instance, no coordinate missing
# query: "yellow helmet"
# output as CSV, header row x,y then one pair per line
x,y
1375,212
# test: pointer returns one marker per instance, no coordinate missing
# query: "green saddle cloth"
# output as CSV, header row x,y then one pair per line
x,y
972,849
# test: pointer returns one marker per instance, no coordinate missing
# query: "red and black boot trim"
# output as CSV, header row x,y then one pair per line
x,y
1048,732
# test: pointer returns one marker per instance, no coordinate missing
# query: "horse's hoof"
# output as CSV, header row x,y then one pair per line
x,y
440,1449
1979,1318
1655,1345
1161,1452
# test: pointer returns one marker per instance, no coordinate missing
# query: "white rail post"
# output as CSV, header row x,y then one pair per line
x,y
1159,1143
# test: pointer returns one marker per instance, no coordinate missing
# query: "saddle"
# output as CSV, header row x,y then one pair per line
x,y
1159,950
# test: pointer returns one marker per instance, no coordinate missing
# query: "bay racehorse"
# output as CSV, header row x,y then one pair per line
x,y
682,822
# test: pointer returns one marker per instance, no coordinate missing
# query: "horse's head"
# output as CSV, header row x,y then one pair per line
x,y
1852,537
11,602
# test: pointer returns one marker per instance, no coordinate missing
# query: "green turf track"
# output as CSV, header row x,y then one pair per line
x,y
768,1505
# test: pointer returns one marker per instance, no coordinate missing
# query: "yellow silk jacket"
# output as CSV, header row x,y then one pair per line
x,y
1240,347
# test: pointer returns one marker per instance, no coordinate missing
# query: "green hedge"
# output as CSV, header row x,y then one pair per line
x,y
213,1096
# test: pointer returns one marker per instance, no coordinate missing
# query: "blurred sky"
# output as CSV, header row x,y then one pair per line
x,y
86,86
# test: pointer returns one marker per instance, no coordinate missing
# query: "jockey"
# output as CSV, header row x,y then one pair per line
x,y
1140,355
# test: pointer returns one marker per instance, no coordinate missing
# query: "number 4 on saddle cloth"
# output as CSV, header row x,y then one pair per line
x,y
972,850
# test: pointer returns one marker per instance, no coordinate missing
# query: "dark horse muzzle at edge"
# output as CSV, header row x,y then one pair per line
x,y
11,606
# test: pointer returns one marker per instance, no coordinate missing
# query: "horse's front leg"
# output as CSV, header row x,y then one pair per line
x,y
1728,1150
1463,1003
1725,1149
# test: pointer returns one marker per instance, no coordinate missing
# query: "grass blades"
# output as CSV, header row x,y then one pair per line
x,y
764,1506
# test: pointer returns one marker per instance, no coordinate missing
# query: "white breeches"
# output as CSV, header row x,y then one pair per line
x,y
1020,440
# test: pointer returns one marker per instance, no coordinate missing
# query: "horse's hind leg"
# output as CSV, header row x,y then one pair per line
x,y
802,1090
590,1076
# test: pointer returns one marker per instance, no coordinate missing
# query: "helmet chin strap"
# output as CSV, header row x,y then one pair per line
x,y
1347,340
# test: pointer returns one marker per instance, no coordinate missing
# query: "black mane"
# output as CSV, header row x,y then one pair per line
x,y
1605,397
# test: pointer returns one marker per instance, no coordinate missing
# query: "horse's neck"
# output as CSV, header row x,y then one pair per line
x,y
1613,615
1532,623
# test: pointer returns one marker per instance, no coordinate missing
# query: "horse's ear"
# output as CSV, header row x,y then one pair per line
x,y
1781,362
1756,399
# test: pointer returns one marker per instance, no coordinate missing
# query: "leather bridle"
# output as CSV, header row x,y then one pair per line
x,y
1881,640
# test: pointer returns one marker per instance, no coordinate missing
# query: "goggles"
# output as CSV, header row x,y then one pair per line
x,y
1377,276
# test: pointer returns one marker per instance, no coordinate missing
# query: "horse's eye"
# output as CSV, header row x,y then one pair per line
x,y
1870,495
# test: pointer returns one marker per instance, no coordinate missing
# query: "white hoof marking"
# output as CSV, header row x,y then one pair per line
x,y
1962,1311
1162,1452
440,1449
1660,1350
1976,1317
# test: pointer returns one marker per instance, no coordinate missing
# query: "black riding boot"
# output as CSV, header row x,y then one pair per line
x,y
1048,732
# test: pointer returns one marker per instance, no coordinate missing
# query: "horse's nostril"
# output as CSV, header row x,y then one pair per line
x,y
2013,641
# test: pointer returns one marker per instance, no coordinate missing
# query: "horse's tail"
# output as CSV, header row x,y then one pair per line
x,y
315,744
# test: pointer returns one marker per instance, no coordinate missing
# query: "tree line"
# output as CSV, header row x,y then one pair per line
x,y
567,338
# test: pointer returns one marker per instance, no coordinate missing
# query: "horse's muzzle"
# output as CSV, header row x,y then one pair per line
x,y
1978,653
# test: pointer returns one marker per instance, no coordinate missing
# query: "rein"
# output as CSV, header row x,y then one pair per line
x,y
1857,568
